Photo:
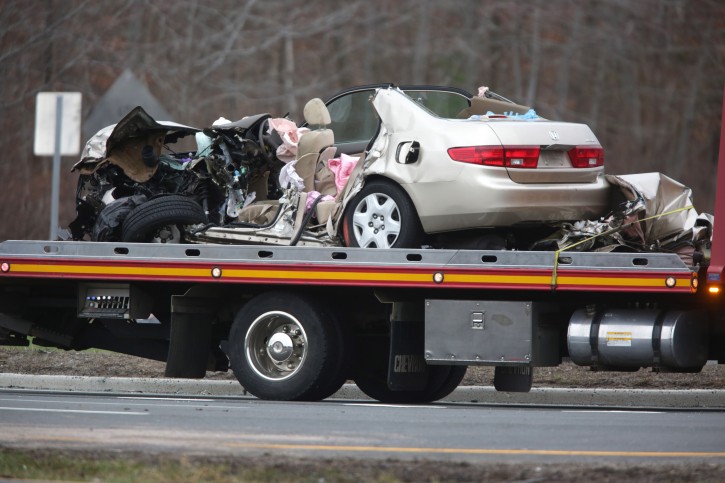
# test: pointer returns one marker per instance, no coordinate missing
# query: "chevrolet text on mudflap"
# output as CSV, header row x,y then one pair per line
x,y
298,310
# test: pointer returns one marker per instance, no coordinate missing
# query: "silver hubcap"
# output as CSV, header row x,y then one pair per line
x,y
280,347
376,221
275,346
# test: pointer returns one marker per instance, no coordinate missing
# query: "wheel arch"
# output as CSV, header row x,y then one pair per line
x,y
387,179
372,178
403,186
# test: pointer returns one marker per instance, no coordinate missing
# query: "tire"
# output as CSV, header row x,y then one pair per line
x,y
109,221
442,380
381,215
285,347
162,219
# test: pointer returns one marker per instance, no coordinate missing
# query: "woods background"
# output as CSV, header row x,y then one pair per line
x,y
646,75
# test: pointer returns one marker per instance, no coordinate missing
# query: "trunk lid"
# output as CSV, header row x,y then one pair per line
x,y
555,140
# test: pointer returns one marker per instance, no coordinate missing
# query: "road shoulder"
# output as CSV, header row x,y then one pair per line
x,y
649,398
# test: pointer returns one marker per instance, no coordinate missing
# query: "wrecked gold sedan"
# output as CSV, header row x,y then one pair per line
x,y
375,167
494,165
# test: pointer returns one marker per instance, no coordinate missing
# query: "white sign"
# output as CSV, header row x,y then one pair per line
x,y
46,104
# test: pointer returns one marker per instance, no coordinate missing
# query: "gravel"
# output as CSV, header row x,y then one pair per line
x,y
19,360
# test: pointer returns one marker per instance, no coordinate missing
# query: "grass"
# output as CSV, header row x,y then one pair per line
x,y
34,347
116,467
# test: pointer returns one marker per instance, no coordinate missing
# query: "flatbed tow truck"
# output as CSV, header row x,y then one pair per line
x,y
294,323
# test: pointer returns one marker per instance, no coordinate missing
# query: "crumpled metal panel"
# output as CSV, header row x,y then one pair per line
x,y
659,194
655,214
124,139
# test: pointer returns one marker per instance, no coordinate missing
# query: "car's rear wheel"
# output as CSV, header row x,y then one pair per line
x,y
161,220
382,216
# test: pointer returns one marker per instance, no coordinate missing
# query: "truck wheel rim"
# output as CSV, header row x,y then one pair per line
x,y
275,346
376,221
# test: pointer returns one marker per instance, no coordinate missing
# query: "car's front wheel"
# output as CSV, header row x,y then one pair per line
x,y
161,220
382,216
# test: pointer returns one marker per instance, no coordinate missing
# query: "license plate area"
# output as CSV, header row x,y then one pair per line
x,y
553,159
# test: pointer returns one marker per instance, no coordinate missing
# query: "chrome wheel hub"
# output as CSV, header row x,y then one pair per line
x,y
280,347
275,345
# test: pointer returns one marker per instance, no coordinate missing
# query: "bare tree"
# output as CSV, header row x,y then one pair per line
x,y
647,75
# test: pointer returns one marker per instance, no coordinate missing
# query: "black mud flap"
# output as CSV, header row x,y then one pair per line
x,y
513,378
407,369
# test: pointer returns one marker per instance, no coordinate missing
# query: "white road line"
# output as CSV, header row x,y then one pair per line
x,y
76,411
381,405
603,411
156,398
108,403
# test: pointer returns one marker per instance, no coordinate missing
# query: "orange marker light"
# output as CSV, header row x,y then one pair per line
x,y
713,289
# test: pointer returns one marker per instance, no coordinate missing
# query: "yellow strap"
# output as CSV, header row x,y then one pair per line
x,y
608,232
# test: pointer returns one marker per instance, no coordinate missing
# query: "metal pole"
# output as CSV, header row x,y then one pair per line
x,y
55,183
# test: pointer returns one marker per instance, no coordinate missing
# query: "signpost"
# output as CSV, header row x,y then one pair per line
x,y
57,133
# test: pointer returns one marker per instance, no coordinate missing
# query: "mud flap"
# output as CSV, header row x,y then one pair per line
x,y
190,338
513,378
407,369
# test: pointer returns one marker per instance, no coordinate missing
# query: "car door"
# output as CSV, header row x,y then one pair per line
x,y
355,123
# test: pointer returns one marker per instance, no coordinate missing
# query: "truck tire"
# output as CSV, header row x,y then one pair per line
x,y
285,347
381,215
161,220
442,380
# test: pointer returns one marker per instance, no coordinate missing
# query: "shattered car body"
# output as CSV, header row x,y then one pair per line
x,y
424,179
120,168
130,164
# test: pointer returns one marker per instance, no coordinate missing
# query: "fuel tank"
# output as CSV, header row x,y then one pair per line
x,y
632,338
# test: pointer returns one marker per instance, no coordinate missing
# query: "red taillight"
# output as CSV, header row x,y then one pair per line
x,y
522,156
488,155
586,156
506,156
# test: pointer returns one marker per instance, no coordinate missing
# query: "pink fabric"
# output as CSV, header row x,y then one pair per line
x,y
312,196
290,134
342,168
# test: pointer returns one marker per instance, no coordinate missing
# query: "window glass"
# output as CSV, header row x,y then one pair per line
x,y
442,104
353,117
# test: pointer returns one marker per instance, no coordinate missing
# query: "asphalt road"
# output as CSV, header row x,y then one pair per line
x,y
363,429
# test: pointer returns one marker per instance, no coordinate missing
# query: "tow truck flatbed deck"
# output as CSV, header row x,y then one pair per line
x,y
514,270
